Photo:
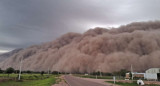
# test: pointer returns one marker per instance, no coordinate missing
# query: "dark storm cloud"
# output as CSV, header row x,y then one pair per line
x,y
28,22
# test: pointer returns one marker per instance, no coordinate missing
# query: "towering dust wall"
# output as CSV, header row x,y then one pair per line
x,y
97,49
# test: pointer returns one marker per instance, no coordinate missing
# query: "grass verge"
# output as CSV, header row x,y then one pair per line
x,y
32,82
129,84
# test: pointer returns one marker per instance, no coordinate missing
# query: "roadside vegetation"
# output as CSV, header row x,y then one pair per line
x,y
44,82
9,77
130,84
94,76
120,75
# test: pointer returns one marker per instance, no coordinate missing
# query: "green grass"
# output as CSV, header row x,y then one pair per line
x,y
123,84
25,76
129,84
29,80
6,75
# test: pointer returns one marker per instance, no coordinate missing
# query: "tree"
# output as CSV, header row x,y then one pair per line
x,y
16,71
28,71
9,70
130,75
1,71
55,72
123,72
42,72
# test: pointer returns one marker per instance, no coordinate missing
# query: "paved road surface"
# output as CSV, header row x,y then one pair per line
x,y
75,81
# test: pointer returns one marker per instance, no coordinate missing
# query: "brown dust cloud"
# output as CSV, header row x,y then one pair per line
x,y
98,49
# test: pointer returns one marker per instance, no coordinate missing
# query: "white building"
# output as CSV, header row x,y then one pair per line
x,y
153,74
135,74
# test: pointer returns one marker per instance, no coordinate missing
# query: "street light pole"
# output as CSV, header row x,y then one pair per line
x,y
20,68
132,71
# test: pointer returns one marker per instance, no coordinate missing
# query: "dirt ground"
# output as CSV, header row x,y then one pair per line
x,y
152,82
61,82
129,81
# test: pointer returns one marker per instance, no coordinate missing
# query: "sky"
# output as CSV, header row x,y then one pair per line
x,y
28,22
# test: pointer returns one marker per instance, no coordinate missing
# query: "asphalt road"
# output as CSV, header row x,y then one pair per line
x,y
75,81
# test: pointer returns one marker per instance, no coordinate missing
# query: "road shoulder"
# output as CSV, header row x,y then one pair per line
x,y
62,82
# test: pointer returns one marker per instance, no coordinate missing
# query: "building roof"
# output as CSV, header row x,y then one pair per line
x,y
153,70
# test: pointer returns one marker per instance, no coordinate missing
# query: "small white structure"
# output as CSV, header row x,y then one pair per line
x,y
140,82
86,74
152,74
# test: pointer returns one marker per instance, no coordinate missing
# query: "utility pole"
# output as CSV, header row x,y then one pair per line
x,y
20,68
114,79
100,73
132,71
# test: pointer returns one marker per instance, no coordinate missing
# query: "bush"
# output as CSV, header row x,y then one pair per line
x,y
9,70
1,71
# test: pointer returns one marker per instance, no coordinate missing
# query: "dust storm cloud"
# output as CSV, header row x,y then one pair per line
x,y
97,49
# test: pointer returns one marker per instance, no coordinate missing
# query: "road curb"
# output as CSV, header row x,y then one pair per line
x,y
66,80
